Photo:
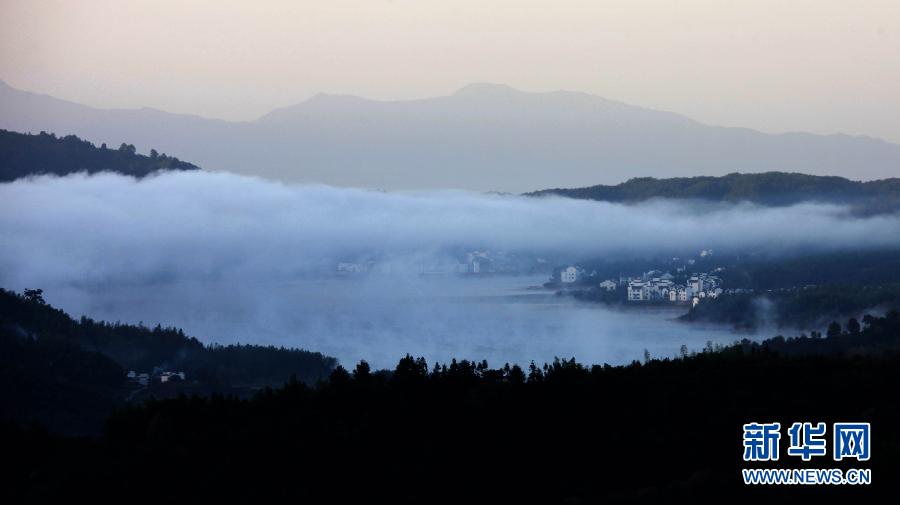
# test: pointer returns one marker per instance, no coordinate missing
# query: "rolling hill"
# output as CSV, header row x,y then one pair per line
x,y
483,137
770,188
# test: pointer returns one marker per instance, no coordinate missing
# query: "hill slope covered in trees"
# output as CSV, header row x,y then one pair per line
x,y
663,431
770,189
22,155
68,373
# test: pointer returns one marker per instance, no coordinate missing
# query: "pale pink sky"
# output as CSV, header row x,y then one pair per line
x,y
776,65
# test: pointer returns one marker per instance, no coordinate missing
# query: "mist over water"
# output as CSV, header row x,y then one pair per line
x,y
492,318
239,259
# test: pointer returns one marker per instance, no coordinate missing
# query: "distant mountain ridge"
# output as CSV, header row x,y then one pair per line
x,y
483,137
23,155
770,188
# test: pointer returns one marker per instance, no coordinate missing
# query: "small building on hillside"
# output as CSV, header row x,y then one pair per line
x,y
608,285
696,283
568,275
637,291
171,376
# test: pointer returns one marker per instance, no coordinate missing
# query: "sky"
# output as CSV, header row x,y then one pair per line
x,y
821,66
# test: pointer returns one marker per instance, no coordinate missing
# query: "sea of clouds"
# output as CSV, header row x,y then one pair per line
x,y
111,229
239,259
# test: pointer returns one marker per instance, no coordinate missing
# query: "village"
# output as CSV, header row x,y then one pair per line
x,y
653,286
158,375
468,263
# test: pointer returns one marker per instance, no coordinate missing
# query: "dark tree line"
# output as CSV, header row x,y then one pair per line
x,y
661,431
23,155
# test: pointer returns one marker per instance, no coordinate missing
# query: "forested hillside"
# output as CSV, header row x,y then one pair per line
x,y
23,154
662,431
770,188
68,374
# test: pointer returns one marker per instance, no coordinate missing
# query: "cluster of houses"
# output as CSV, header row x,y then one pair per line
x,y
655,286
658,286
469,263
472,265
158,375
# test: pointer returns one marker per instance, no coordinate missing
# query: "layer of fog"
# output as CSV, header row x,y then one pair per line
x,y
234,258
493,318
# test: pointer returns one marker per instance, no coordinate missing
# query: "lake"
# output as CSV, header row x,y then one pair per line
x,y
380,318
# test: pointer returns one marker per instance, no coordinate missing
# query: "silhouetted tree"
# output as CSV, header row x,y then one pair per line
x,y
834,330
362,372
339,377
516,375
35,296
534,373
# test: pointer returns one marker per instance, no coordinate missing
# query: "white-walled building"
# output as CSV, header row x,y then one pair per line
x,y
608,285
637,291
696,283
653,286
167,376
568,275
652,289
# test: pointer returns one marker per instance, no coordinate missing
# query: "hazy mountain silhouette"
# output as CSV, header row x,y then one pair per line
x,y
483,137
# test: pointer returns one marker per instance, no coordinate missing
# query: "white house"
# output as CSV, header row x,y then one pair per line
x,y
696,283
167,376
637,291
568,275
608,285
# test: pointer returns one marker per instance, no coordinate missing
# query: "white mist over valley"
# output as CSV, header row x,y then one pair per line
x,y
231,258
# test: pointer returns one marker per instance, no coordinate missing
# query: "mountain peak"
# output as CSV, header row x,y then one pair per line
x,y
323,97
486,89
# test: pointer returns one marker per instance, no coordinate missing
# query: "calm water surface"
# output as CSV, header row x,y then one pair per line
x,y
379,319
